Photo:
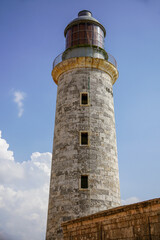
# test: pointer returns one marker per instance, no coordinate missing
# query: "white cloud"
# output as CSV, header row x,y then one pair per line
x,y
24,189
4,153
130,200
18,99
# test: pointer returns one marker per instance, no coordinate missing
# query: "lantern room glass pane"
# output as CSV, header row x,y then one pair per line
x,y
89,34
89,26
75,42
75,28
82,41
84,33
75,36
82,27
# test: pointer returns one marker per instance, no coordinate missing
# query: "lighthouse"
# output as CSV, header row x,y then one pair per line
x,y
84,172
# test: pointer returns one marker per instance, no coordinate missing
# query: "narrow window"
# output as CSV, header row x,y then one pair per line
x,y
84,181
84,138
84,98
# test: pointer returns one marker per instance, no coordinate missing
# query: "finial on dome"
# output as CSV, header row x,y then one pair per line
x,y
85,13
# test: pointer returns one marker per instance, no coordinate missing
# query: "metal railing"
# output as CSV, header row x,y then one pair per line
x,y
85,52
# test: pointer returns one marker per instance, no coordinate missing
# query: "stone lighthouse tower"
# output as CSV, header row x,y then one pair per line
x,y
84,174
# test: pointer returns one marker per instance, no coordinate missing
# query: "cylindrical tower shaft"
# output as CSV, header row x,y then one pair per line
x,y
84,174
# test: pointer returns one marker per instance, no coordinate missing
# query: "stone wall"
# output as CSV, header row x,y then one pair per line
x,y
140,221
70,160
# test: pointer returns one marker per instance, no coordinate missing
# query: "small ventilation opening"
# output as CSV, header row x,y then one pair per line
x,y
84,182
84,138
84,98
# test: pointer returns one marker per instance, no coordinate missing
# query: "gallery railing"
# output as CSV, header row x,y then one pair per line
x,y
85,52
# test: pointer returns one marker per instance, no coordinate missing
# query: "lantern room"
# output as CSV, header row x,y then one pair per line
x,y
84,31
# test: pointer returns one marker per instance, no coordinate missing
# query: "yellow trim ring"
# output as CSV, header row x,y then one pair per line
x,y
85,62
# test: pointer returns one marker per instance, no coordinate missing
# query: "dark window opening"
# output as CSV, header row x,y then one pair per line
x,y
84,138
84,98
84,182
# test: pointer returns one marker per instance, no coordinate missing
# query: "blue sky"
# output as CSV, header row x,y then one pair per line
x,y
31,36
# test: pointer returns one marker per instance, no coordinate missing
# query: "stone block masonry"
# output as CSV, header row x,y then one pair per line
x,y
71,160
139,221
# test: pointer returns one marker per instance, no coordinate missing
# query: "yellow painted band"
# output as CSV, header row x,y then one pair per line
x,y
84,62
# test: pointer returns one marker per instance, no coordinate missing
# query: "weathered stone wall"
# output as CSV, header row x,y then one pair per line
x,y
140,221
70,160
